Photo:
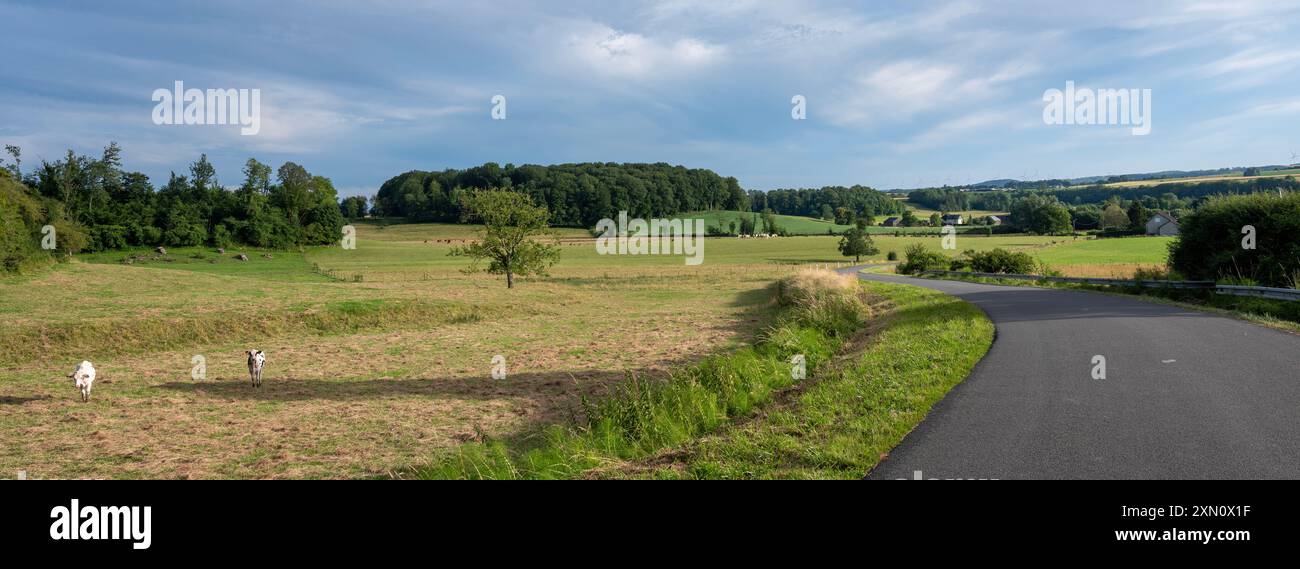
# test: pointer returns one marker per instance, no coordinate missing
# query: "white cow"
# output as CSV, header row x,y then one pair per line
x,y
84,377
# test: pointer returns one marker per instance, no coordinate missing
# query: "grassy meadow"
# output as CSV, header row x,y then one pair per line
x,y
378,358
794,224
1107,258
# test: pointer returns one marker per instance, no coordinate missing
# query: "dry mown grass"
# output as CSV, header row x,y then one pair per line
x,y
1105,270
371,392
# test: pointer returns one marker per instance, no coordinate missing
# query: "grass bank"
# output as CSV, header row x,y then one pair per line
x,y
46,341
842,422
819,311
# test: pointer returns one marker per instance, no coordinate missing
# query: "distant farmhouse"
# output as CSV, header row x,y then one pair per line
x,y
1162,223
891,222
953,219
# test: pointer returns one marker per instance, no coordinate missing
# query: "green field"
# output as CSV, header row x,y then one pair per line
x,y
1230,176
794,224
1107,258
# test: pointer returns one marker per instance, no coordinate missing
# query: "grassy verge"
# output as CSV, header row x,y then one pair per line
x,y
820,310
842,423
1278,314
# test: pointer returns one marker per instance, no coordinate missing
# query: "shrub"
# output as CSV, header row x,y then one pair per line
x,y
892,256
105,237
1210,244
21,217
1002,261
269,230
72,237
186,234
920,259
145,235
222,236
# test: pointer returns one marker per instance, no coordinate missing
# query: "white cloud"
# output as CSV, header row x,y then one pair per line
x,y
899,90
958,129
1254,60
610,52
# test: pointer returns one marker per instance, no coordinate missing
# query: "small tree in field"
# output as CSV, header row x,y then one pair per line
x,y
856,242
510,221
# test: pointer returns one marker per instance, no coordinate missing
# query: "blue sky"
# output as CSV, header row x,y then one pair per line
x,y
899,94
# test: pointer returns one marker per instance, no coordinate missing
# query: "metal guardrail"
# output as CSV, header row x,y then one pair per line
x,y
1259,291
1256,291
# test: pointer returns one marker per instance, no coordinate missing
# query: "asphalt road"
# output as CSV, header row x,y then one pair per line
x,y
1186,394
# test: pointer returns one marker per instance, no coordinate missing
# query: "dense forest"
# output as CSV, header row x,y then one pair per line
x,y
581,194
94,204
953,199
575,194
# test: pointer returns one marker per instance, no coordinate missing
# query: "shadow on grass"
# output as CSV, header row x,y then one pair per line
x,y
9,400
544,387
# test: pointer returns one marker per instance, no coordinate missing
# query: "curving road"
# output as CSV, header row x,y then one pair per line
x,y
1186,394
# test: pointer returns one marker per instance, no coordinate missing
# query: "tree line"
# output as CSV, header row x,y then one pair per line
x,y
1189,192
576,195
95,204
838,203
579,195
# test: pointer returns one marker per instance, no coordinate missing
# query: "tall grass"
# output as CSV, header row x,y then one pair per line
x,y
857,411
818,311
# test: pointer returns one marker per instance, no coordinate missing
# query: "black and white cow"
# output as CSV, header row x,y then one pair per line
x,y
256,360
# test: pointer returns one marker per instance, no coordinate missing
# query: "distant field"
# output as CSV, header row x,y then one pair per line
x,y
795,224
1233,176
1107,258
1286,172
